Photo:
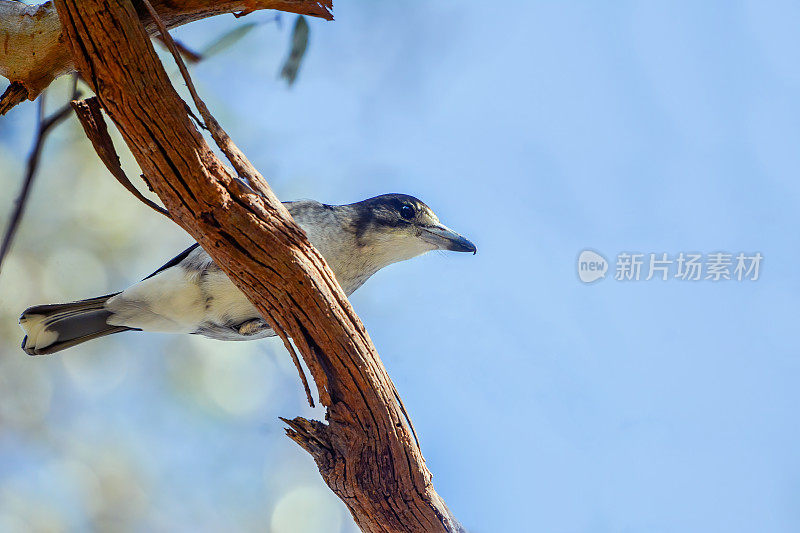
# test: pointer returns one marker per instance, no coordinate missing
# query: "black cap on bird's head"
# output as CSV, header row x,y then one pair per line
x,y
406,224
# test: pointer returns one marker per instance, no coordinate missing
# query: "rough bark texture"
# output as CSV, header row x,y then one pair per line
x,y
14,94
32,45
366,452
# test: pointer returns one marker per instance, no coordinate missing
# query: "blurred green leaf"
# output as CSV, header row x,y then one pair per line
x,y
296,53
226,40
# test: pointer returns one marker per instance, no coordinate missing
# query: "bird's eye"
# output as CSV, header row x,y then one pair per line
x,y
407,212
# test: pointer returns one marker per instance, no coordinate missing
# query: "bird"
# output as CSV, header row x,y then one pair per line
x,y
190,294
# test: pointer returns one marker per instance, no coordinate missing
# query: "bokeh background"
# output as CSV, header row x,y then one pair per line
x,y
535,128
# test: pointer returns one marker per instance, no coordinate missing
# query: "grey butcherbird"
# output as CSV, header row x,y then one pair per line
x,y
190,294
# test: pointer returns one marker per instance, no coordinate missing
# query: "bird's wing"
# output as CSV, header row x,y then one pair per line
x,y
175,260
295,208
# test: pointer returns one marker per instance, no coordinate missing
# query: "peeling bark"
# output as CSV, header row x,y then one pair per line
x,y
32,46
366,452
91,118
14,94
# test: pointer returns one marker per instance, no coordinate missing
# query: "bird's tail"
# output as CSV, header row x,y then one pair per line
x,y
54,327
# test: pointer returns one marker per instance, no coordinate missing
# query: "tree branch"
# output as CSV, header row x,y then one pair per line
x,y
14,94
32,51
366,453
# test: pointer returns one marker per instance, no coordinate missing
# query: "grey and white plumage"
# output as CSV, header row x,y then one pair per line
x,y
191,294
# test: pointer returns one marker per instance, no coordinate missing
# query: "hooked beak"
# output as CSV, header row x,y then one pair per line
x,y
446,239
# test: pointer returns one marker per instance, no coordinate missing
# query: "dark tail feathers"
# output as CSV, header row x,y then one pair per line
x,y
54,327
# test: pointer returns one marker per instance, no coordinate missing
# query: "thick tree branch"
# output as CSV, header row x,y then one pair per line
x,y
32,51
366,453
240,163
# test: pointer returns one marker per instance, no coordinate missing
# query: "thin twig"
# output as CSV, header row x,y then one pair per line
x,y
405,414
300,370
187,53
45,125
41,107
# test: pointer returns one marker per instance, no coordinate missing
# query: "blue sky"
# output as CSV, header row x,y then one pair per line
x,y
537,129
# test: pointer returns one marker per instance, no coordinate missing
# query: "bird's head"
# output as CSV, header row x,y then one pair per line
x,y
399,227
